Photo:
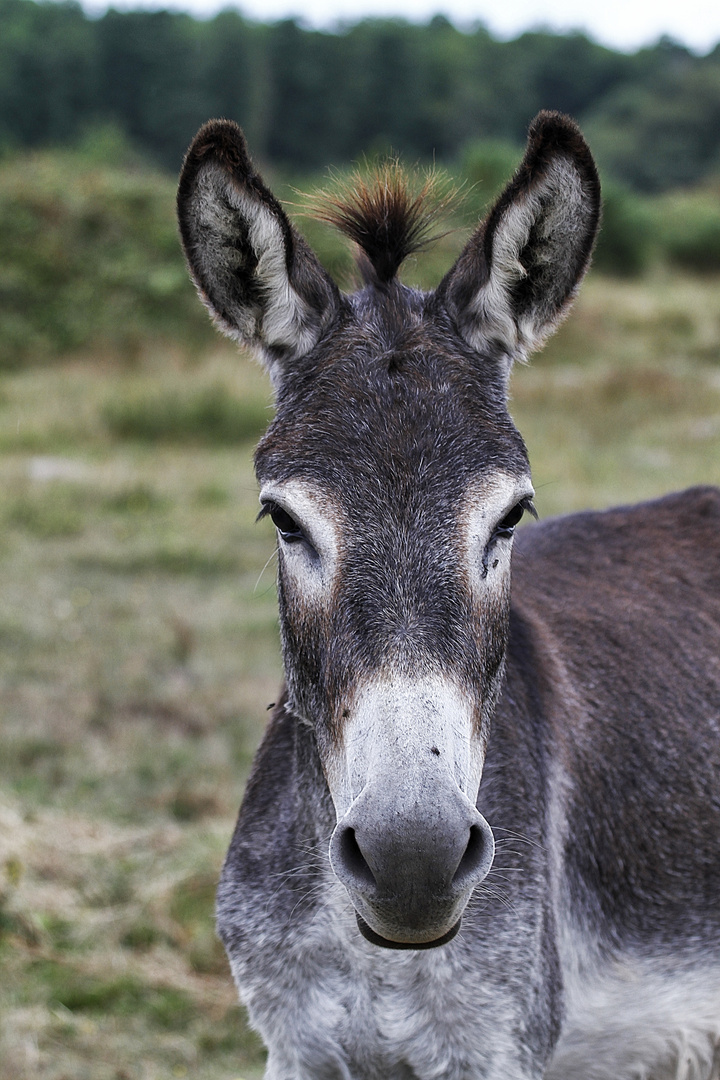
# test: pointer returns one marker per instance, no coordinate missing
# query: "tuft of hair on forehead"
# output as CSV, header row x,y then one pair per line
x,y
387,213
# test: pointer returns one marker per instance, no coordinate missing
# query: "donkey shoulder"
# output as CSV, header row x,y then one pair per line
x,y
615,652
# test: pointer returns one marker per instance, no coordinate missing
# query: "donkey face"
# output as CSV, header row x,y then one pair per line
x,y
395,478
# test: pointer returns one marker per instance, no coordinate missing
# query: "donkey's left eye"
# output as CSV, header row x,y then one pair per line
x,y
507,526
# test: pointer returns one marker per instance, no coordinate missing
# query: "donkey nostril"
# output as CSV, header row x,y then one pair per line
x,y
474,864
353,860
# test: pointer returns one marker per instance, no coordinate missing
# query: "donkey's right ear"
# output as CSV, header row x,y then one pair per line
x,y
256,275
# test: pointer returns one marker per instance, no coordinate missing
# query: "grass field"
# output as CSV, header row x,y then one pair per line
x,y
139,652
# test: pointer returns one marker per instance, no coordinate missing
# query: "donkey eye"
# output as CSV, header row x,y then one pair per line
x,y
507,526
288,528
508,523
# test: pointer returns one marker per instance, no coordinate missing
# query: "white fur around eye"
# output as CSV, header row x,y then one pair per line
x,y
309,568
484,507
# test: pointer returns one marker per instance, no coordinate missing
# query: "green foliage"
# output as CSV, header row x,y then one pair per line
x,y
485,167
661,131
625,243
681,230
689,228
91,261
48,72
106,146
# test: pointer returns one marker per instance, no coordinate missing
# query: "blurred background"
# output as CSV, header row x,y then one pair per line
x,y
138,641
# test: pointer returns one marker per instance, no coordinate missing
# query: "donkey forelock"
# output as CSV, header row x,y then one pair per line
x,y
385,214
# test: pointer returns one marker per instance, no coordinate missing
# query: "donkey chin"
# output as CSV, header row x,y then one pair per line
x,y
421,929
409,865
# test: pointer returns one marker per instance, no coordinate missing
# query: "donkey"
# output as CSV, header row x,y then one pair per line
x,y
481,838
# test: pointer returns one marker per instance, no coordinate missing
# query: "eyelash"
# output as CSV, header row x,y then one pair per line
x,y
505,529
286,525
507,526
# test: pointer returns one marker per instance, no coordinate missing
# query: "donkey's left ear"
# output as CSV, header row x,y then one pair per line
x,y
256,275
518,274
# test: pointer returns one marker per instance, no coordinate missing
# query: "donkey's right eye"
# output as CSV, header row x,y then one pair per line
x,y
288,528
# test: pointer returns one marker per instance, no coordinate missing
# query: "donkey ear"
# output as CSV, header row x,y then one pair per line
x,y
518,274
258,278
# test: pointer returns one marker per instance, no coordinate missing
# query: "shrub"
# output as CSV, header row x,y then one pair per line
x,y
485,167
625,242
91,260
210,415
689,228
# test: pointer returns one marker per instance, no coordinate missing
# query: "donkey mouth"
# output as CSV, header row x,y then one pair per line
x,y
387,943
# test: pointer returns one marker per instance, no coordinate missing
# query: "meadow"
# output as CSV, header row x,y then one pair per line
x,y
139,648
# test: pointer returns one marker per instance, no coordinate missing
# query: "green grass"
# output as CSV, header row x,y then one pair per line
x,y
139,650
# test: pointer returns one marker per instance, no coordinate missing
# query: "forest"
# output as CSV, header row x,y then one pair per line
x,y
307,98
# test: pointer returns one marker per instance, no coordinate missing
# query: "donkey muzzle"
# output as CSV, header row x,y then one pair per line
x,y
410,860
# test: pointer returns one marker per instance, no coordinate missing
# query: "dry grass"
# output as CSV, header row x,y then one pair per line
x,y
138,651
625,403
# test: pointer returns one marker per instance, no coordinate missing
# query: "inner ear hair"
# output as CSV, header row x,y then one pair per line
x,y
518,274
257,277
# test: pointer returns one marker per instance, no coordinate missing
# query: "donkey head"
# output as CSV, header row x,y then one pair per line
x,y
395,478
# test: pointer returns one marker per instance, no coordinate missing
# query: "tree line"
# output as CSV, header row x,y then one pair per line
x,y
307,98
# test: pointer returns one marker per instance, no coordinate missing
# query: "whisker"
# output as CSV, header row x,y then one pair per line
x,y
511,836
257,583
